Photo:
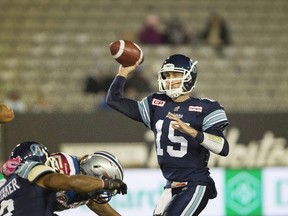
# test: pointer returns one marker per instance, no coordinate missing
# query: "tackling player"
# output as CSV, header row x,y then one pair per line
x,y
31,189
99,164
185,128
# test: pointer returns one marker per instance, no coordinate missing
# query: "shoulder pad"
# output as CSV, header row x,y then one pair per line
x,y
39,171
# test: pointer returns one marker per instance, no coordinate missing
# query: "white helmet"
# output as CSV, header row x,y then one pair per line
x,y
103,165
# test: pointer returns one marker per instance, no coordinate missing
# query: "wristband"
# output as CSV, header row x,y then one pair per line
x,y
199,137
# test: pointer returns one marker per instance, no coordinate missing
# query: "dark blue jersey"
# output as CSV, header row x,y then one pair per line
x,y
180,156
19,196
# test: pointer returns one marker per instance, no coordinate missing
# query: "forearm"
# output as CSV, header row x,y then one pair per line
x,y
116,91
215,143
83,183
116,100
78,183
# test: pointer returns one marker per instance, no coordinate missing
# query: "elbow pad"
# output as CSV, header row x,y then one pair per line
x,y
213,143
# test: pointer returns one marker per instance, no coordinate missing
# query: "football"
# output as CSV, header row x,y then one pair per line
x,y
126,52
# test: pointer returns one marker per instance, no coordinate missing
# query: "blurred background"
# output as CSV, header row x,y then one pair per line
x,y
56,67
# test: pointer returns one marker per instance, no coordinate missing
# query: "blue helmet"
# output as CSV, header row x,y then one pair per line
x,y
181,64
30,151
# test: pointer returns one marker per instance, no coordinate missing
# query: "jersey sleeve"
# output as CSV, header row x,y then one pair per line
x,y
39,171
116,100
33,170
144,110
215,117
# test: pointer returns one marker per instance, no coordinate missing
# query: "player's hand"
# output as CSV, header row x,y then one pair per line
x,y
115,184
9,167
179,125
125,71
6,114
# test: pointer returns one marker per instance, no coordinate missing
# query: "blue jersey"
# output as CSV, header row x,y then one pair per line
x,y
180,156
19,196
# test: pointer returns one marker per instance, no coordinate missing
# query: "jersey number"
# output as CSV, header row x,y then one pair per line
x,y
175,139
6,207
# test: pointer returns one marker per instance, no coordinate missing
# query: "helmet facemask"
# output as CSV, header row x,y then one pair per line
x,y
52,163
186,85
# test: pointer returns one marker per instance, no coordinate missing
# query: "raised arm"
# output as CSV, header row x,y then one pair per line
x,y
115,97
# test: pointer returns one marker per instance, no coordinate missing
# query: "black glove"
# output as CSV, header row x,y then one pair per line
x,y
115,184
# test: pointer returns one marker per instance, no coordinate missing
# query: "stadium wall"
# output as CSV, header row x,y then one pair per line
x,y
256,139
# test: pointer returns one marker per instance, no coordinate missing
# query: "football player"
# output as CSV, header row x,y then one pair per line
x,y
99,164
31,189
186,129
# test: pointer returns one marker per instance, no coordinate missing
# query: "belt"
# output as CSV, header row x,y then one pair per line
x,y
178,184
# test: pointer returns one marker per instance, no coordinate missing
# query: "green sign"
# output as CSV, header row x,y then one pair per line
x,y
243,192
1,176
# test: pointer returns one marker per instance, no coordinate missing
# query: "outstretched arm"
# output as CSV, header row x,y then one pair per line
x,y
115,97
80,183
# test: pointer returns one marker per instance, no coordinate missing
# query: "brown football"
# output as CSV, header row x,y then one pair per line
x,y
126,52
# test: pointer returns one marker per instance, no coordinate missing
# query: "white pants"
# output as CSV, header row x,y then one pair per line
x,y
164,199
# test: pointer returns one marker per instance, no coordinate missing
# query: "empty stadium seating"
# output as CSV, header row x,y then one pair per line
x,y
50,46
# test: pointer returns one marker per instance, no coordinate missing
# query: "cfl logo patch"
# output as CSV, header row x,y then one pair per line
x,y
157,102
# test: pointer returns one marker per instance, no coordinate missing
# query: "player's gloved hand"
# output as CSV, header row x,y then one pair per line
x,y
115,184
9,167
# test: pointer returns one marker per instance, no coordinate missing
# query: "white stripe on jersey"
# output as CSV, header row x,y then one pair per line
x,y
214,118
144,111
65,160
195,201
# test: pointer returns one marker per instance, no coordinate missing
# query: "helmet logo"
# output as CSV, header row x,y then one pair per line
x,y
36,150
168,67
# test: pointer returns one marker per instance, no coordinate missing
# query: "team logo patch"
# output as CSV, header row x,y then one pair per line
x,y
36,149
195,108
177,108
157,102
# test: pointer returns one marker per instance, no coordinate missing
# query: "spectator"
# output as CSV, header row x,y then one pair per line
x,y
137,84
97,81
216,33
41,106
15,102
175,32
150,32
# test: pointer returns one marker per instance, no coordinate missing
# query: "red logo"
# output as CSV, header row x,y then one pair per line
x,y
157,102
